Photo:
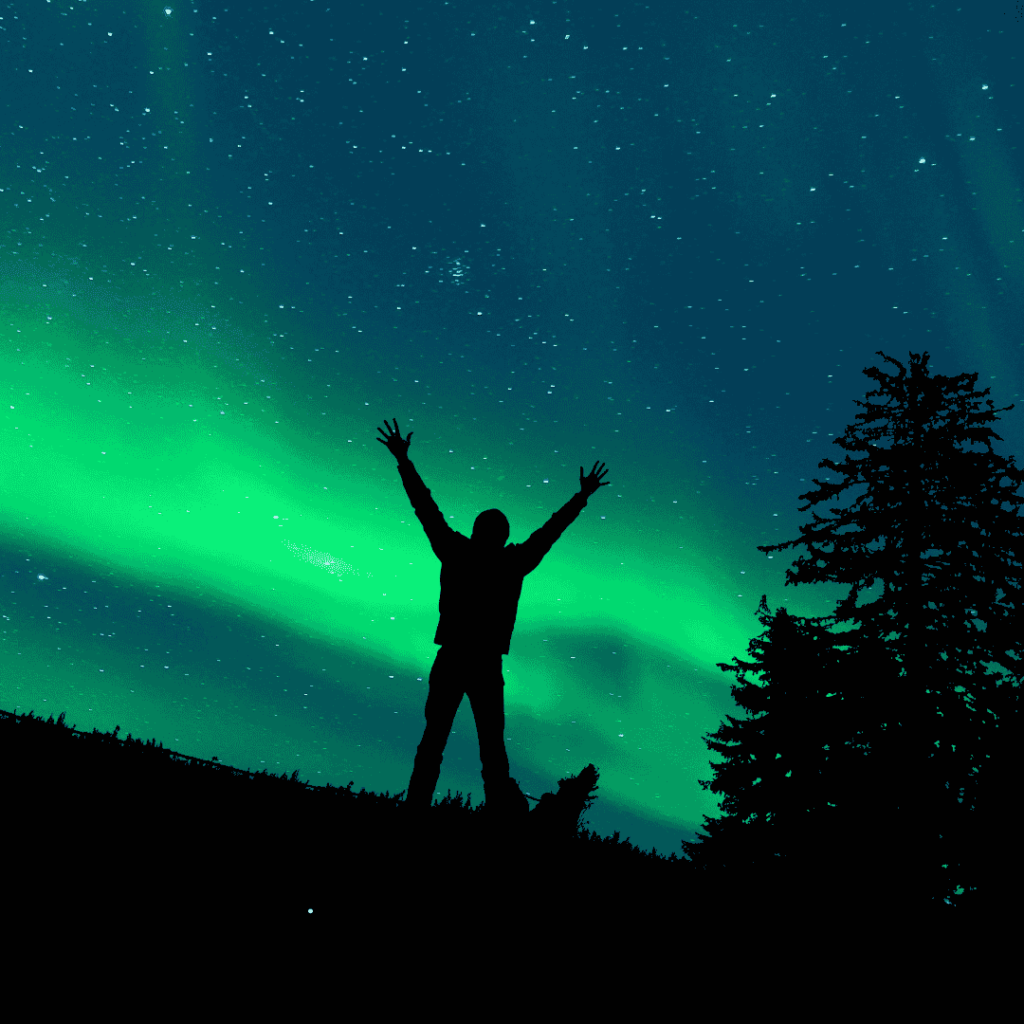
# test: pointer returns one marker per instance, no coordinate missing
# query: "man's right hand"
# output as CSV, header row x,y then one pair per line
x,y
398,446
590,484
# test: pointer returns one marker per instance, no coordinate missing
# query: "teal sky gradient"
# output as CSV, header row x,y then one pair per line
x,y
233,246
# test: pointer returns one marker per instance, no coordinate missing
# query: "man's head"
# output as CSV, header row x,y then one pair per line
x,y
491,528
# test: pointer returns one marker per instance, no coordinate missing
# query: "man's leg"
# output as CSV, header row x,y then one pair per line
x,y
443,699
487,696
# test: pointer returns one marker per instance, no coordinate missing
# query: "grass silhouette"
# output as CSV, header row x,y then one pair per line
x,y
99,823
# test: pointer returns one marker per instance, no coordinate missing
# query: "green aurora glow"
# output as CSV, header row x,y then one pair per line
x,y
203,542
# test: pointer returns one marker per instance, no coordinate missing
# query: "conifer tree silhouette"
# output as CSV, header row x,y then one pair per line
x,y
929,675
795,772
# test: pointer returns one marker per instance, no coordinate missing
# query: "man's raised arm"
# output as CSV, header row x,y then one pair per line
x,y
423,504
540,541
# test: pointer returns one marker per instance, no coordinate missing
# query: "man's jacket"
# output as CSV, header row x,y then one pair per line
x,y
480,590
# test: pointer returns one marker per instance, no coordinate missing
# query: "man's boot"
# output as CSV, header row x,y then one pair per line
x,y
505,800
420,794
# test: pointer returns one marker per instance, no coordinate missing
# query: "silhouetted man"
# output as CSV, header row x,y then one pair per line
x,y
481,579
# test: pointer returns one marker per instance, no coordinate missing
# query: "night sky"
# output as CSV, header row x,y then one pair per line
x,y
235,239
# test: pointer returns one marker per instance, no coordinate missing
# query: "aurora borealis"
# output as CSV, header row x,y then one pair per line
x,y
667,237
